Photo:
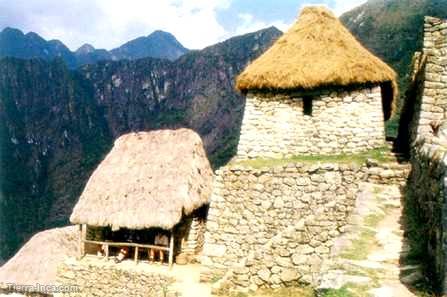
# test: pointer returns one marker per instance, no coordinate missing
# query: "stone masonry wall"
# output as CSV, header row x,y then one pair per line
x,y
426,192
426,189
190,241
431,101
99,278
273,227
275,126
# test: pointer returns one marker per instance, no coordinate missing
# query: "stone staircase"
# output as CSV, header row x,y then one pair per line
x,y
393,172
380,271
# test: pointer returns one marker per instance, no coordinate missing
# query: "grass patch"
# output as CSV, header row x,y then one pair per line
x,y
343,292
366,241
215,279
392,127
373,220
361,247
283,292
350,290
381,155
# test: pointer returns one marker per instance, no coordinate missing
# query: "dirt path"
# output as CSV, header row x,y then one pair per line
x,y
367,259
188,282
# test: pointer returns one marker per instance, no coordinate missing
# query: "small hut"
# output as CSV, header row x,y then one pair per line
x,y
150,182
317,90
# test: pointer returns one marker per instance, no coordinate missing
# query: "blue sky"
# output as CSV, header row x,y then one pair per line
x,y
195,23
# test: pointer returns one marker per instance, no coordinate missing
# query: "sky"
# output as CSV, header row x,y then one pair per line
x,y
110,23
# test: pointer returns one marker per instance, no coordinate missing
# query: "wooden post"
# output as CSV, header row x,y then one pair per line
x,y
136,255
84,237
171,250
80,243
107,251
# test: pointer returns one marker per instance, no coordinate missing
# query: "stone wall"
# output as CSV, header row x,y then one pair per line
x,y
190,237
426,195
104,278
430,102
273,227
426,106
277,126
194,239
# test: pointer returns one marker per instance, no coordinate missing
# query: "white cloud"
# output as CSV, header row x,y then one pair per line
x,y
337,6
250,24
342,6
109,23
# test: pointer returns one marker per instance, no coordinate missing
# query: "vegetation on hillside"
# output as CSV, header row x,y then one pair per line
x,y
393,30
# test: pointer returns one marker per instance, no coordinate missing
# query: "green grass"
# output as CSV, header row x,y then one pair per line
x,y
366,241
373,220
381,155
283,292
392,126
343,292
361,247
350,290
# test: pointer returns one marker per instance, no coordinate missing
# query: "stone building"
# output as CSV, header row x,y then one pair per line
x,y
317,90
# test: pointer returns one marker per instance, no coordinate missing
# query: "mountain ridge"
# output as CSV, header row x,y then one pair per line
x,y
159,44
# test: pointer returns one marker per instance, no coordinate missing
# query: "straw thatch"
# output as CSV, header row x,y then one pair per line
x,y
318,51
149,179
36,262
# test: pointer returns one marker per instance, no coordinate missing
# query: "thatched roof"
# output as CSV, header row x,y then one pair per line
x,y
37,261
149,179
318,51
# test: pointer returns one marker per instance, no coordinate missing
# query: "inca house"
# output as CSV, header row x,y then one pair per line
x,y
316,92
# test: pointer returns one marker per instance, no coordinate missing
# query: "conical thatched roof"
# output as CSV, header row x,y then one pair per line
x,y
37,261
318,51
149,179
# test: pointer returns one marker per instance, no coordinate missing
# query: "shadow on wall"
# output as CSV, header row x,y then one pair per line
x,y
412,104
422,225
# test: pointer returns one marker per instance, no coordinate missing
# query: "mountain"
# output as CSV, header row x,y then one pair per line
x,y
13,43
87,54
57,124
393,29
159,44
85,50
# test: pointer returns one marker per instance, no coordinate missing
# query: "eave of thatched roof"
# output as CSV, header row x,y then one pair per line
x,y
37,261
149,179
318,51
